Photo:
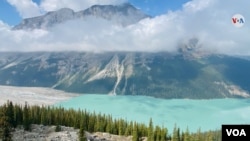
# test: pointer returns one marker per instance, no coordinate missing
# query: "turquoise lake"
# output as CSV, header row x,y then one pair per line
x,y
194,114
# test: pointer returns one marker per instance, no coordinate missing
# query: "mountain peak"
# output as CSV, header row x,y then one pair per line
x,y
124,14
65,10
62,10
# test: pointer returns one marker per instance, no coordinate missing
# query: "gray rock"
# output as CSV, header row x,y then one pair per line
x,y
124,15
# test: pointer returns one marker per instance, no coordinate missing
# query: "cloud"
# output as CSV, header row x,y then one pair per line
x,y
19,40
26,8
207,20
77,5
210,20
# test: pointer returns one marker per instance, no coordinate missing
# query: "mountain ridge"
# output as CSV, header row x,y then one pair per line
x,y
161,75
124,14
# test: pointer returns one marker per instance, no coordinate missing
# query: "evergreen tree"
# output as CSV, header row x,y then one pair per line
x,y
91,123
187,135
5,126
157,133
48,117
121,125
115,127
129,129
135,133
182,136
81,133
176,134
164,133
198,136
10,114
97,124
150,131
109,124
18,115
43,116
83,121
26,122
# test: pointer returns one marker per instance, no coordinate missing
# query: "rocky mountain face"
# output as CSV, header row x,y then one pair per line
x,y
124,15
129,73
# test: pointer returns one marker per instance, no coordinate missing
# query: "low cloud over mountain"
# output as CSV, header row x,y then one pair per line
x,y
208,21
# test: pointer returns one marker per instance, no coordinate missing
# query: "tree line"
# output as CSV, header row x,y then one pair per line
x,y
12,116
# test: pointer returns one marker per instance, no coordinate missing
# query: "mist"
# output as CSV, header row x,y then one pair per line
x,y
207,20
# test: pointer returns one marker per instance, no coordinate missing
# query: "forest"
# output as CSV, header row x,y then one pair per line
x,y
13,116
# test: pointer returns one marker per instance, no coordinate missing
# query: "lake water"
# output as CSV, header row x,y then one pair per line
x,y
194,114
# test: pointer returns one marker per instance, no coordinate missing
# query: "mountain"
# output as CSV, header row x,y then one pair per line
x,y
161,75
124,14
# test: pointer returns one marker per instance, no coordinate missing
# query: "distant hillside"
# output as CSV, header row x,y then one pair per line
x,y
129,73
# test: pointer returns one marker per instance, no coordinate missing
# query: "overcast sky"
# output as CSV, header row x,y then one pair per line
x,y
208,20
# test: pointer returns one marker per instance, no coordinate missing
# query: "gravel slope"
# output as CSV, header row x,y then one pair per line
x,y
33,95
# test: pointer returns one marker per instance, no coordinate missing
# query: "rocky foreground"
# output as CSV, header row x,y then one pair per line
x,y
47,133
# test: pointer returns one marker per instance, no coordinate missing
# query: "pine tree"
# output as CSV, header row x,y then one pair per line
x,y
48,117
157,133
176,134
150,131
26,122
129,129
76,121
182,136
198,135
135,133
164,133
115,127
109,124
43,116
91,123
97,124
18,114
83,121
10,114
5,126
81,133
187,135
121,127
